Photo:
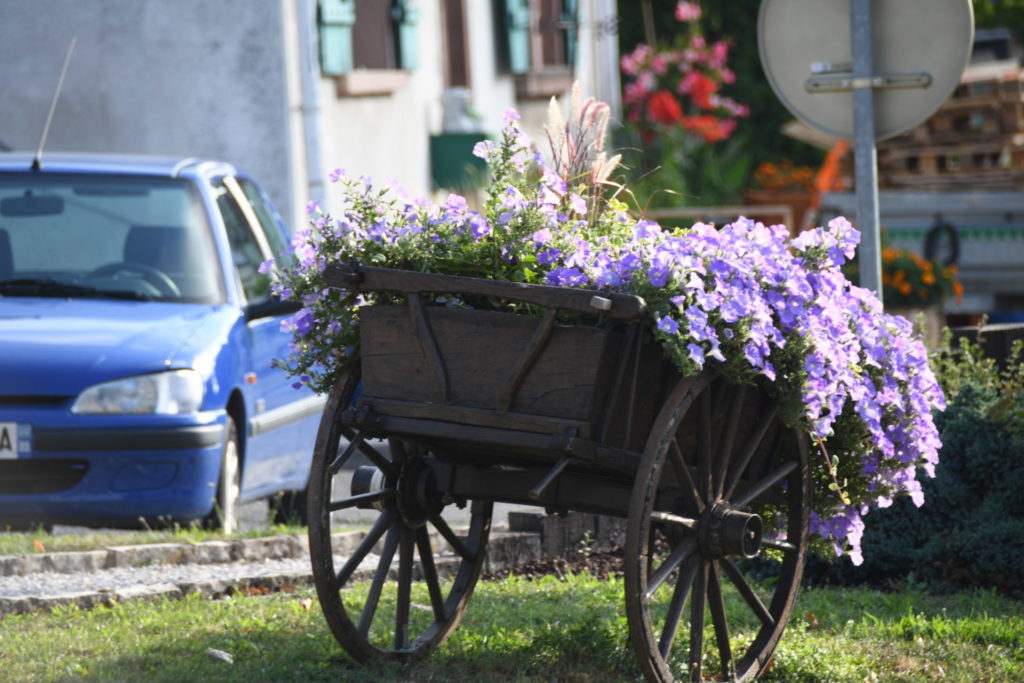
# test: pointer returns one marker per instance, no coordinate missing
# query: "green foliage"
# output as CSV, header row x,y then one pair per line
x,y
675,169
1000,13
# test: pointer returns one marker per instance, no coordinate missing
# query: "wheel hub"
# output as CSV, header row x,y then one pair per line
x,y
725,531
418,497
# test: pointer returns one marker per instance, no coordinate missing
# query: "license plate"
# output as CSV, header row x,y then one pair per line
x,y
15,440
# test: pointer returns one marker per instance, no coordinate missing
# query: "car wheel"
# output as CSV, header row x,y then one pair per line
x,y
225,513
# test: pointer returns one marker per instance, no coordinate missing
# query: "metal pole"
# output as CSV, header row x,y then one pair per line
x,y
865,156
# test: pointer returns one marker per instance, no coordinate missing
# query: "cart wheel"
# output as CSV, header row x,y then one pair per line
x,y
721,481
421,574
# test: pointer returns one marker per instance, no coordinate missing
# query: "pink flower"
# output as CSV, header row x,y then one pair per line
x,y
720,51
688,11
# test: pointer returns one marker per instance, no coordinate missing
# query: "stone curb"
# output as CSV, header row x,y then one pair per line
x,y
505,550
207,552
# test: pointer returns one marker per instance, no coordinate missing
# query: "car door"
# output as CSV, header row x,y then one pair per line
x,y
281,420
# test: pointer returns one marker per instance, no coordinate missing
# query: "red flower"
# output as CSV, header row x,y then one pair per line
x,y
700,88
664,108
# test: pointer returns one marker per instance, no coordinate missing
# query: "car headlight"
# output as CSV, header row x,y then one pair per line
x,y
162,393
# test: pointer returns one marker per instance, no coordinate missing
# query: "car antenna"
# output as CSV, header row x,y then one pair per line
x,y
37,161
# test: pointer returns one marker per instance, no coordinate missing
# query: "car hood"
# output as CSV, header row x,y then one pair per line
x,y
57,347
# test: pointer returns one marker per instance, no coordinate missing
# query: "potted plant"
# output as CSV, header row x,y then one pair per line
x,y
744,299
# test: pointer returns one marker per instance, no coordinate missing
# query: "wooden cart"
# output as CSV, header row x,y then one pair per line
x,y
481,406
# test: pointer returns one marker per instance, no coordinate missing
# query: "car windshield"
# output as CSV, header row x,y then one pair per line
x,y
105,236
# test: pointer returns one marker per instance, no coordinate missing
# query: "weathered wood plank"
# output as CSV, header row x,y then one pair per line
x,y
620,306
475,416
569,379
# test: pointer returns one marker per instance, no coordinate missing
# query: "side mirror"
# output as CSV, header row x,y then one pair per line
x,y
269,307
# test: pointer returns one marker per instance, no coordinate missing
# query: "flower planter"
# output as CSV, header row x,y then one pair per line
x,y
490,370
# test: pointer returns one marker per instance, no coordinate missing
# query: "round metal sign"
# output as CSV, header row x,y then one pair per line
x,y
920,49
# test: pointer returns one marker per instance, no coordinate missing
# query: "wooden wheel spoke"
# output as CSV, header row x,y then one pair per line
x,y
363,499
750,446
675,607
685,480
762,485
430,574
738,580
728,438
341,458
365,546
379,577
453,540
378,459
678,520
679,554
697,622
705,465
404,596
721,624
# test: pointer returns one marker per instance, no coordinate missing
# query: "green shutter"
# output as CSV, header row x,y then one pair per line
x,y
517,25
571,21
336,19
406,14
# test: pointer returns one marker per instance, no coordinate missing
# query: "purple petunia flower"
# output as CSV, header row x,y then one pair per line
x,y
668,325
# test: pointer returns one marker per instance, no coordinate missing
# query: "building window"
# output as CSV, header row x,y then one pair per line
x,y
362,40
456,64
540,44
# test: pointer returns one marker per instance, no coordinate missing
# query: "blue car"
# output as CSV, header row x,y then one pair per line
x,y
137,338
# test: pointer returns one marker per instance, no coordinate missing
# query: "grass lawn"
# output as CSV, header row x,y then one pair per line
x,y
515,630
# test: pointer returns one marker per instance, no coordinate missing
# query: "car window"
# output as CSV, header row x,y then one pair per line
x,y
266,218
108,233
249,246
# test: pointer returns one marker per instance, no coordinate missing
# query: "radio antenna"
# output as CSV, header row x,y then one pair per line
x,y
37,162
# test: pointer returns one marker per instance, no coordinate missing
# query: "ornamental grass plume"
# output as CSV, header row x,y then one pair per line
x,y
744,299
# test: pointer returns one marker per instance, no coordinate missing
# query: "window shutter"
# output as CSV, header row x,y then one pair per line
x,y
571,22
406,13
336,19
517,24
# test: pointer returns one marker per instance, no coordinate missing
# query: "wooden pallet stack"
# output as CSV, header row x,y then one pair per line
x,y
974,141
